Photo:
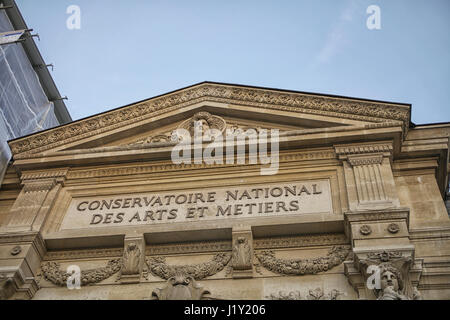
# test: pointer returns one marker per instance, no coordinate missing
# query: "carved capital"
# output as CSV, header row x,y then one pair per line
x,y
365,160
368,175
381,148
39,191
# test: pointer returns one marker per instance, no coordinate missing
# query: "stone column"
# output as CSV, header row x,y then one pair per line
x,y
368,175
34,202
242,259
376,225
21,245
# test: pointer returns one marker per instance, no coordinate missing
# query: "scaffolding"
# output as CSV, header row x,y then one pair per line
x,y
24,106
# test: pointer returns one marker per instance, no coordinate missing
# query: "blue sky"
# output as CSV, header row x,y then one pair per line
x,y
128,51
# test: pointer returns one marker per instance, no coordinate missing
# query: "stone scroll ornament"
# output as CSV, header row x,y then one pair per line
x,y
52,272
335,257
159,268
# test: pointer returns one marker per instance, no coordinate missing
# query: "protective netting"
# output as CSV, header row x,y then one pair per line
x,y
24,107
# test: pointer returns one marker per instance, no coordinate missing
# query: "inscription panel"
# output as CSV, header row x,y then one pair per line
x,y
265,200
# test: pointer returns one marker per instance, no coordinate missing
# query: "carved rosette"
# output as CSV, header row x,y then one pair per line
x,y
158,267
335,257
52,272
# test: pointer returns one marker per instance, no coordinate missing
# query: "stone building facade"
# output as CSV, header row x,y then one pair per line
x,y
355,209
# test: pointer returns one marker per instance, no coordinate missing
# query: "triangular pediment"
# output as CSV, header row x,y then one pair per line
x,y
238,107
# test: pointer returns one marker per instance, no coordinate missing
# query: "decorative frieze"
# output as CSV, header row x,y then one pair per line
x,y
368,175
52,272
335,257
312,294
140,169
262,98
158,267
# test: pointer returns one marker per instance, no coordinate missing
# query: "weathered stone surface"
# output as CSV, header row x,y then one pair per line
x,y
356,187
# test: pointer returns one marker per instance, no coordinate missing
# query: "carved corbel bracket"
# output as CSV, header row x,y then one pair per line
x,y
242,257
17,274
15,284
133,259
364,228
399,262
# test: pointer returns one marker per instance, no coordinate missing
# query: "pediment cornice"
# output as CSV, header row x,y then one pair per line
x,y
337,107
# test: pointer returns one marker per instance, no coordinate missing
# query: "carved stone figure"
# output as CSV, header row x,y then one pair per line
x,y
204,122
242,256
180,287
131,259
391,283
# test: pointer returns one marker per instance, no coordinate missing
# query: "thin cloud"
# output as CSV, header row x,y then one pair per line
x,y
336,38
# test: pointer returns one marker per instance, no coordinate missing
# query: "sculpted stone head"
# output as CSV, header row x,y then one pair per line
x,y
390,277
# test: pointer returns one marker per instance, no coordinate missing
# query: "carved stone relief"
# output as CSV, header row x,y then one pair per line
x,y
399,273
316,294
180,287
335,257
131,259
52,272
158,267
242,255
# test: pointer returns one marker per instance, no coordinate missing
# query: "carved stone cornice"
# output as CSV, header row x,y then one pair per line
x,y
140,169
204,247
83,254
365,160
22,238
38,186
301,241
44,174
195,247
378,215
263,98
345,152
